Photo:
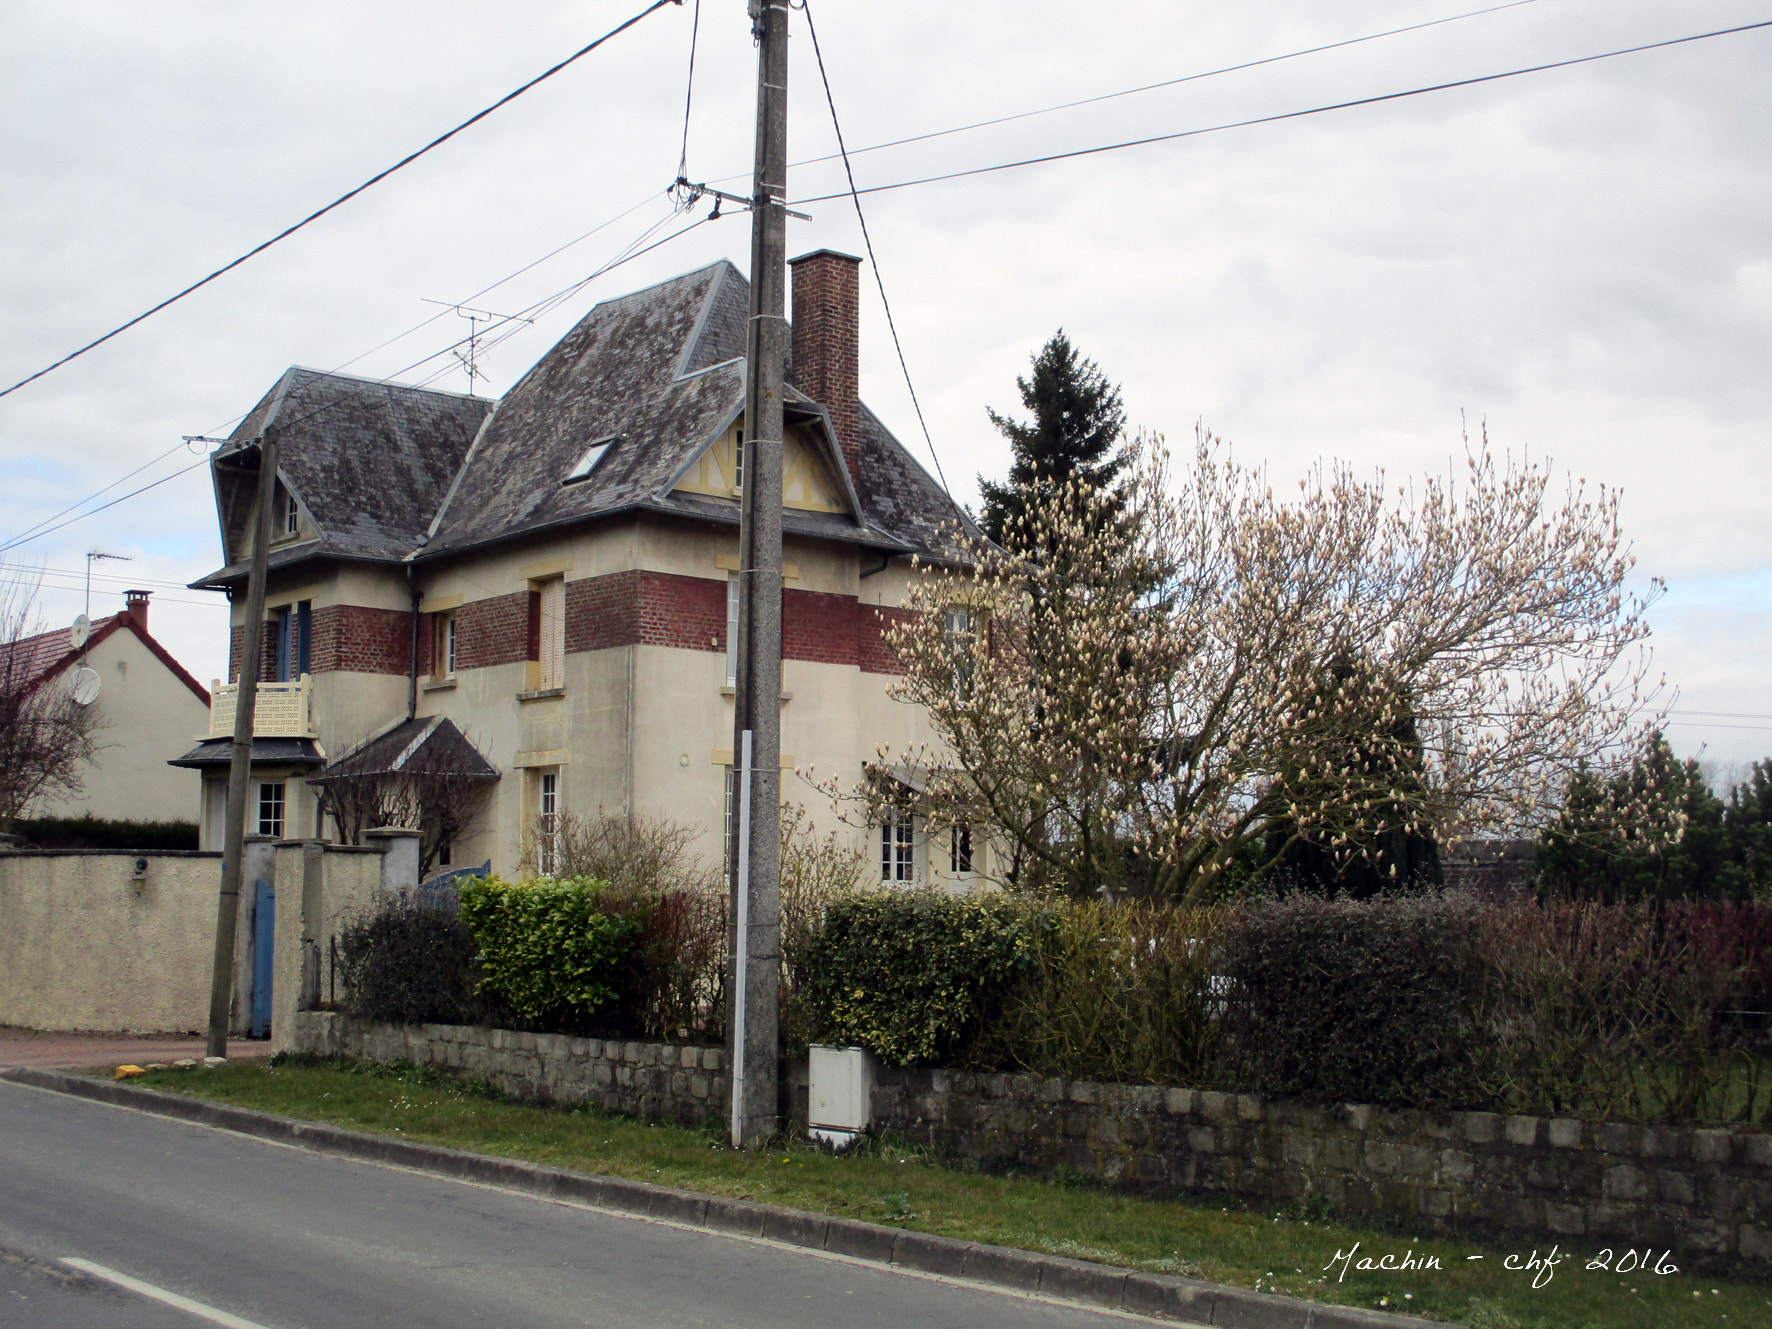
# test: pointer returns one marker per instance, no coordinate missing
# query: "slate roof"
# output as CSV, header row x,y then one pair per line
x,y
388,473
214,752
423,745
369,462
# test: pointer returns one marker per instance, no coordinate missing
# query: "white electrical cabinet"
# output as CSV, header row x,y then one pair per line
x,y
840,1098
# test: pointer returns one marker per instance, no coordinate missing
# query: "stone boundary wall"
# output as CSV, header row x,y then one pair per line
x,y
1705,1194
656,1081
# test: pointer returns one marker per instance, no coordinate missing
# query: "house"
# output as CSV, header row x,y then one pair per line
x,y
554,574
148,708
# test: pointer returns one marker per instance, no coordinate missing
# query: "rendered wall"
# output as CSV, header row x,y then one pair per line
x,y
147,717
81,948
320,889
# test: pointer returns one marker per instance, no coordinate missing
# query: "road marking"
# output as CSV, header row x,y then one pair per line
x,y
162,1296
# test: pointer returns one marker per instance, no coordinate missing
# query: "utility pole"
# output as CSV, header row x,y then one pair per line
x,y
755,948
227,911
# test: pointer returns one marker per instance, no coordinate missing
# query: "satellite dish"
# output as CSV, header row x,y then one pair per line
x,y
81,631
84,684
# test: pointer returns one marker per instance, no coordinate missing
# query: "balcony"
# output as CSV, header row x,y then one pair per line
x,y
283,710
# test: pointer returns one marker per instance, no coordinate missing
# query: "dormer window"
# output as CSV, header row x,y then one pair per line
x,y
588,462
291,514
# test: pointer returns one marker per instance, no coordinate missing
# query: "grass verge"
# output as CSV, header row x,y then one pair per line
x,y
1290,1251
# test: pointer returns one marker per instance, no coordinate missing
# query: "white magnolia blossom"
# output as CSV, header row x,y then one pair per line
x,y
1181,672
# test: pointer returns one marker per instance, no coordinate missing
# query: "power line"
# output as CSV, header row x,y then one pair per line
x,y
28,532
1165,83
689,91
879,281
342,199
543,307
1296,115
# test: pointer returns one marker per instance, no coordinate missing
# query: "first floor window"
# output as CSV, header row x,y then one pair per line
x,y
547,822
270,808
960,850
897,847
547,632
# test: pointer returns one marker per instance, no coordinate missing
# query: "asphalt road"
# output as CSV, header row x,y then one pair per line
x,y
260,1234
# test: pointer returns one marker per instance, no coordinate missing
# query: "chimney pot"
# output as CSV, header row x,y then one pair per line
x,y
135,604
826,343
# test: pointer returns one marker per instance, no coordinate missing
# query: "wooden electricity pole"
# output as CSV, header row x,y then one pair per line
x,y
755,951
227,911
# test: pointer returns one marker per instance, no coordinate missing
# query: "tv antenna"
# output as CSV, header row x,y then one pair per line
x,y
470,358
94,556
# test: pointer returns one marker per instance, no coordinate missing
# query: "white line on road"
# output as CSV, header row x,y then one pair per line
x,y
161,1295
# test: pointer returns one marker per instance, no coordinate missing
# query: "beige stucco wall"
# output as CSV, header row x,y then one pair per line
x,y
640,728
81,948
147,716
350,882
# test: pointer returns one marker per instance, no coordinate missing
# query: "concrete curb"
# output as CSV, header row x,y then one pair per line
x,y
1161,1295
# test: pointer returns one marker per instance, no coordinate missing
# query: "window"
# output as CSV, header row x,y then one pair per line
x,y
897,847
294,640
732,629
960,637
291,514
547,822
443,644
270,808
960,850
738,459
547,633
588,462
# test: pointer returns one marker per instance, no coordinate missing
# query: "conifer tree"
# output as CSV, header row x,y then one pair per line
x,y
1074,435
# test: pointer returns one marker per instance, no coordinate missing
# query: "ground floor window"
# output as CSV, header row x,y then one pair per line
x,y
960,850
547,822
898,860
270,808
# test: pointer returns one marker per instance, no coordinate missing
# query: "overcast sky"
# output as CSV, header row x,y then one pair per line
x,y
1581,258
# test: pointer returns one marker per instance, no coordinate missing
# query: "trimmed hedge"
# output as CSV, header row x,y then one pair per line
x,y
547,947
412,961
1354,1001
914,976
90,832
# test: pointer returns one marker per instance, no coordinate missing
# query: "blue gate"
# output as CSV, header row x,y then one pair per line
x,y
264,931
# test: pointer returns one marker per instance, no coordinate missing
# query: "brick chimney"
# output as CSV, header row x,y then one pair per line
x,y
827,336
135,604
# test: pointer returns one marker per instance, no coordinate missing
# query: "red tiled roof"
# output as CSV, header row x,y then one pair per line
x,y
37,659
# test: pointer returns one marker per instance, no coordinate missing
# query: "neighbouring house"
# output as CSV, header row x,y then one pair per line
x,y
148,705
553,576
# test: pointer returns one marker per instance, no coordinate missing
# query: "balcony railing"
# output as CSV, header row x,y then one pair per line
x,y
282,710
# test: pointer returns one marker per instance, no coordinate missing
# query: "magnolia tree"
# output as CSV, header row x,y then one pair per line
x,y
1186,681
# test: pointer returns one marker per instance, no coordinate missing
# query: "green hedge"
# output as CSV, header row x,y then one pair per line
x,y
1341,1000
90,832
411,961
914,976
547,947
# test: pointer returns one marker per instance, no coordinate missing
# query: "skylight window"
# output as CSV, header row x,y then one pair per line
x,y
588,462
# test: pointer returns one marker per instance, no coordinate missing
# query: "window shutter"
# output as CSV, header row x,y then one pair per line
x,y
534,646
553,633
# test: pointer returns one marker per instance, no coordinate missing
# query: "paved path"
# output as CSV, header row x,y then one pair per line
x,y
78,1052
266,1235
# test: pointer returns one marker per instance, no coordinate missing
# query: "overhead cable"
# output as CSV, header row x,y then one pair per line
x,y
1167,83
1295,115
867,241
342,199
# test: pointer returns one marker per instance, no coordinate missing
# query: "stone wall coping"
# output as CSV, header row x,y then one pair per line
x,y
1160,1295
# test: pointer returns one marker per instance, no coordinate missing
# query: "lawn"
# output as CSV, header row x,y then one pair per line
x,y
1288,1251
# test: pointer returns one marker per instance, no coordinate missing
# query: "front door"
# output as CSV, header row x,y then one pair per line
x,y
264,931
